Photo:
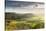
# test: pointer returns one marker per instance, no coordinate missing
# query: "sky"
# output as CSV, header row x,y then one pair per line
x,y
18,0
25,4
25,7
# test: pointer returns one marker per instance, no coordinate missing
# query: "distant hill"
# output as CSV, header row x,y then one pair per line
x,y
15,16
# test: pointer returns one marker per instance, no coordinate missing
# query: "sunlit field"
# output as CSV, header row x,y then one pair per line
x,y
23,22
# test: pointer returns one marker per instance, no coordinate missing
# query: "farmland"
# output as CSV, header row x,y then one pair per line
x,y
14,21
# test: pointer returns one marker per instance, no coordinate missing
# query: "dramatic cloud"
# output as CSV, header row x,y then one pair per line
x,y
23,4
25,7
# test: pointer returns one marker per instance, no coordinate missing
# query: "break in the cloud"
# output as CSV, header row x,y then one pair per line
x,y
38,11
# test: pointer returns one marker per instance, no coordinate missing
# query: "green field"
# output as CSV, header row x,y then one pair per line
x,y
23,22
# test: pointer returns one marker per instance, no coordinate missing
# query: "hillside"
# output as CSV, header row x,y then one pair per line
x,y
15,16
18,21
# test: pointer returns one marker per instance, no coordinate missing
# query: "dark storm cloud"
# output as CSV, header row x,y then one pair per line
x,y
20,3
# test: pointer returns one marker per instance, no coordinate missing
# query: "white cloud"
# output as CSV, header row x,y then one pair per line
x,y
37,11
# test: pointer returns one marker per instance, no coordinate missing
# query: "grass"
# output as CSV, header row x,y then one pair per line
x,y
34,23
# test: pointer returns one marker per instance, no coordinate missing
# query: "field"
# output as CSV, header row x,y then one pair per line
x,y
23,21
